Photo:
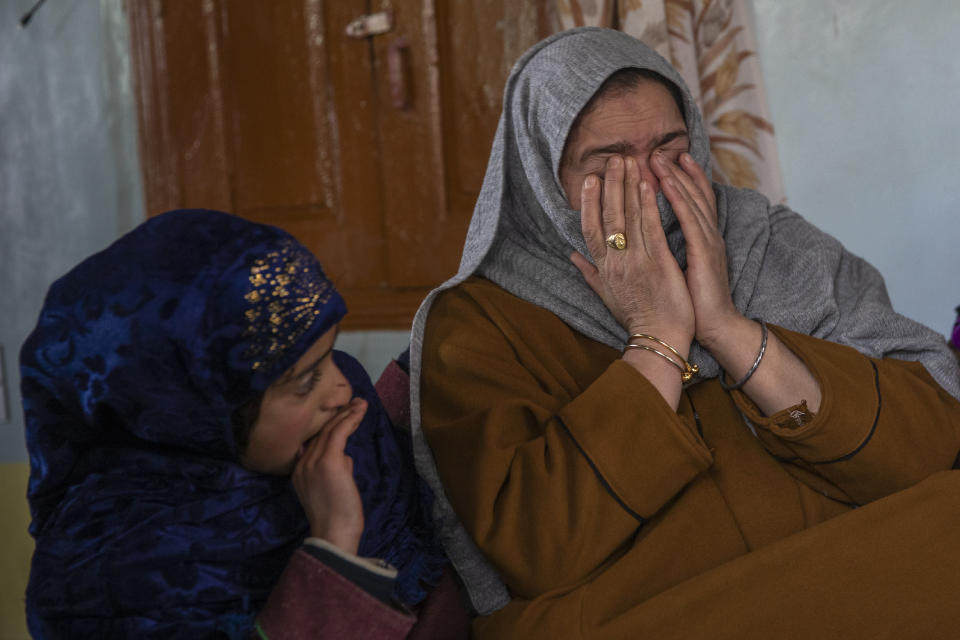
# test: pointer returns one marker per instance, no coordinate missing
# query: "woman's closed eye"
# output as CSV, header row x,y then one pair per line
x,y
674,149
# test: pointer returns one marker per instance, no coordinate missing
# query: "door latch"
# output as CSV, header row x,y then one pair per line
x,y
371,24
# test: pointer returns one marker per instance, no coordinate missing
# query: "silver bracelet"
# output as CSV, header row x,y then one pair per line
x,y
756,363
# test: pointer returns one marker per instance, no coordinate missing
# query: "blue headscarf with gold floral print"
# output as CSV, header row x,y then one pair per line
x,y
145,522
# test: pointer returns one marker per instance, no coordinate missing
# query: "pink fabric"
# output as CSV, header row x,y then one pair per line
x,y
313,601
443,616
393,387
955,338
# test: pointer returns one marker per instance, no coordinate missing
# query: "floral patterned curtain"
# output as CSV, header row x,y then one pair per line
x,y
711,43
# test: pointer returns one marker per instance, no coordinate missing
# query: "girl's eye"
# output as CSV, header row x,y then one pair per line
x,y
310,382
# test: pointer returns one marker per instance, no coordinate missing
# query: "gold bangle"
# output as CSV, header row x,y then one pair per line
x,y
659,353
647,336
687,370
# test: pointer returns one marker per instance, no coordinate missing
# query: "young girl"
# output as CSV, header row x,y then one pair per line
x,y
173,384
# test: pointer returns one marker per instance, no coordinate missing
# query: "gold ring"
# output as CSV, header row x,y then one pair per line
x,y
617,241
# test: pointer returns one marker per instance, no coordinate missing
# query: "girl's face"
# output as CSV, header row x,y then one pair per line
x,y
296,408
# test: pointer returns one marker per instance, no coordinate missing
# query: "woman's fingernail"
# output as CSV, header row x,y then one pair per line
x,y
590,182
615,162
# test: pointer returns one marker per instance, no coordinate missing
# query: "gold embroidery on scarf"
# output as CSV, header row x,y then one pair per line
x,y
282,306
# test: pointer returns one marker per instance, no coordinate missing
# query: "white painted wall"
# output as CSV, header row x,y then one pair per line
x,y
374,349
865,98
69,174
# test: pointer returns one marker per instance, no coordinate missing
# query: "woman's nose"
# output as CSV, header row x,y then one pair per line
x,y
646,171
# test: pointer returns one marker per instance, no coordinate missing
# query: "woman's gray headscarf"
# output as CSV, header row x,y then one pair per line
x,y
781,268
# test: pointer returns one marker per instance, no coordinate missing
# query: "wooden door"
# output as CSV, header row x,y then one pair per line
x,y
268,109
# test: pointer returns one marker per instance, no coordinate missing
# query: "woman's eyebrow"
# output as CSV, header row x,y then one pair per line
x,y
621,147
670,137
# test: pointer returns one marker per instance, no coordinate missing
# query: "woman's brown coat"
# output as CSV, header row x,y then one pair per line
x,y
610,515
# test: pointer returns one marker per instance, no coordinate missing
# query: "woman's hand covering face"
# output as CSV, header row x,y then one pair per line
x,y
642,285
640,138
690,194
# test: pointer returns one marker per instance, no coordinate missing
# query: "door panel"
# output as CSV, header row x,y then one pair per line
x,y
435,151
276,86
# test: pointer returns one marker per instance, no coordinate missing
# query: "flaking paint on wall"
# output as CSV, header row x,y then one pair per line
x,y
69,173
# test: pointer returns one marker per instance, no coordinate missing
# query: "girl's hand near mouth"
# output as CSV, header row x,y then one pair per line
x,y
323,479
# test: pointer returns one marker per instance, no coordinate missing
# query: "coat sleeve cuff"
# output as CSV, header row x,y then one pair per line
x,y
311,600
849,402
374,576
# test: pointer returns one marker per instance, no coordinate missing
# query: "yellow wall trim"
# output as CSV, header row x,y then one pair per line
x,y
16,547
